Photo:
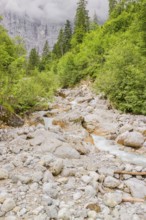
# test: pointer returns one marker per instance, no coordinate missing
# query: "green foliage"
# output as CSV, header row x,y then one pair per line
x,y
114,55
46,57
82,24
20,91
34,60
63,43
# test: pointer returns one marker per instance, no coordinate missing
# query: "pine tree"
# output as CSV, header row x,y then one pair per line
x,y
46,57
112,5
46,50
82,23
94,23
67,36
58,49
33,60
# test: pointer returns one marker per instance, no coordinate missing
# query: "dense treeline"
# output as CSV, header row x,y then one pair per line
x,y
112,55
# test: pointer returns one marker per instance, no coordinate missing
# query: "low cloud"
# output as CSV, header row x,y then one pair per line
x,y
53,10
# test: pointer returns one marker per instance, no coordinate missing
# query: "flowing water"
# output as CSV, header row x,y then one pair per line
x,y
107,145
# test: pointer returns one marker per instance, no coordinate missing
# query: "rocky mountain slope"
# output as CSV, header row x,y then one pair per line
x,y
60,169
34,32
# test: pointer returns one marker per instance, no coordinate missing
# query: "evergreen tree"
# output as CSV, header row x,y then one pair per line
x,y
82,23
46,57
67,36
58,49
94,22
112,5
33,60
46,50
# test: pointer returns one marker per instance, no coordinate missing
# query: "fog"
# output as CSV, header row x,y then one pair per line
x,y
53,10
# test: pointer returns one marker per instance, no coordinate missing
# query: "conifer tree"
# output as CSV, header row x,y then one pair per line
x,y
112,5
58,49
67,36
46,57
33,60
82,23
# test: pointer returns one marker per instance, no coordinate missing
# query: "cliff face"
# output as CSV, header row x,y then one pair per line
x,y
34,32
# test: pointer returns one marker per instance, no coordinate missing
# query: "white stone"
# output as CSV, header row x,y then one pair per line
x,y
112,199
111,182
8,205
86,179
131,139
64,214
77,196
92,214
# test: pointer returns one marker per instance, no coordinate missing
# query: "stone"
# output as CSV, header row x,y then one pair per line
x,y
77,196
37,176
64,214
38,210
11,218
92,215
94,207
8,205
66,151
131,139
10,118
137,187
56,167
86,179
3,174
111,182
90,191
25,179
52,212
50,189
112,199
3,197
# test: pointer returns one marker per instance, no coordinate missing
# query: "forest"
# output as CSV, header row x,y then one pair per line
x,y
111,55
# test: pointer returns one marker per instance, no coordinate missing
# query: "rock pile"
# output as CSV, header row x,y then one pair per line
x,y
54,171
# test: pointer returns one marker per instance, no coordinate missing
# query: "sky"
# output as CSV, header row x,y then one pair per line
x,y
54,10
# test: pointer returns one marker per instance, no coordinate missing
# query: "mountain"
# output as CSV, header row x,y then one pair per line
x,y
34,31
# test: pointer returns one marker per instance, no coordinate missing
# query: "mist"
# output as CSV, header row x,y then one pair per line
x,y
56,11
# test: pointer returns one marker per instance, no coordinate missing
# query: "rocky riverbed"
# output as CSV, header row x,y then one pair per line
x,y
62,163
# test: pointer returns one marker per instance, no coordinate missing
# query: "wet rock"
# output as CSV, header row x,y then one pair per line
x,y
112,199
111,182
131,139
8,205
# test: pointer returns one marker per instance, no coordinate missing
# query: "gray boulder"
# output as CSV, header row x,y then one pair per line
x,y
137,187
131,139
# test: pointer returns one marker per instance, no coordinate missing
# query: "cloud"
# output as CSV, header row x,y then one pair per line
x,y
53,10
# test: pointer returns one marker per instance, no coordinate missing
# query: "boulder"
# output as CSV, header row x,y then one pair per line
x,y
111,182
66,151
8,205
10,118
112,199
131,139
137,187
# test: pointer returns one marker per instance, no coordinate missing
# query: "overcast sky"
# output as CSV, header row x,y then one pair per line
x,y
54,10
